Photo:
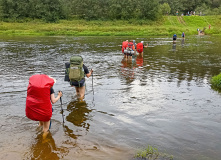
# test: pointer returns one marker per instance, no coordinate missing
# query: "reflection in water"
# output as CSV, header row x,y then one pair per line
x,y
79,114
174,46
45,149
170,90
127,70
182,42
139,60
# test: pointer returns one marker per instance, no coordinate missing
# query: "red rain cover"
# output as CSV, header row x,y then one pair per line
x,y
139,47
124,45
38,103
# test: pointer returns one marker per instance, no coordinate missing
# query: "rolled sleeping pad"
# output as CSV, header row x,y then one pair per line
x,y
67,66
132,52
125,51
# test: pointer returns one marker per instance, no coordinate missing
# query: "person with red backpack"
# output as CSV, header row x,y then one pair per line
x,y
140,47
40,95
130,50
124,45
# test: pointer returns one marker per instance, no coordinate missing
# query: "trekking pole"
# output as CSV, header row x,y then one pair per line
x,y
62,109
92,82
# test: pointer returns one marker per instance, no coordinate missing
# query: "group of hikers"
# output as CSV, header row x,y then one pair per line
x,y
40,92
175,37
129,48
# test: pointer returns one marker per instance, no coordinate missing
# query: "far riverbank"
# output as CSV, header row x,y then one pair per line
x,y
166,26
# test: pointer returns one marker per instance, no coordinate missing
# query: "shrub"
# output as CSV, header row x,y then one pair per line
x,y
216,81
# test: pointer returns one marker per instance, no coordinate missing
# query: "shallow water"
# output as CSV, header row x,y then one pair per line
x,y
163,99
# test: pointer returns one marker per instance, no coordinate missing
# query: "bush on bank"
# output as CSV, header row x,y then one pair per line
x,y
216,81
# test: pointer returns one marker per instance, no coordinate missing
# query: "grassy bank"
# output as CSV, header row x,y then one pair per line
x,y
168,25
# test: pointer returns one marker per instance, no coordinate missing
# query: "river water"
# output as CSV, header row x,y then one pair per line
x,y
163,99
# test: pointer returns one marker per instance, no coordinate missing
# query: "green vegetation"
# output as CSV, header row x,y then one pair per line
x,y
166,26
55,10
152,153
216,82
108,17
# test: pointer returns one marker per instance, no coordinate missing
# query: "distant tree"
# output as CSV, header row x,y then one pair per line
x,y
216,3
114,11
204,9
165,8
49,10
214,11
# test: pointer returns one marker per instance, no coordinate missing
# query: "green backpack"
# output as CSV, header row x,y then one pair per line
x,y
76,68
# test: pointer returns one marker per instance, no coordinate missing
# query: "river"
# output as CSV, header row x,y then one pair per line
x,y
163,99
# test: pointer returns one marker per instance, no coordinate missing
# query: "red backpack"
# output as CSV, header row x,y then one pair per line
x,y
139,47
38,102
131,45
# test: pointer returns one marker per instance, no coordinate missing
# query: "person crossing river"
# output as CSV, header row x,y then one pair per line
x,y
40,95
140,47
76,72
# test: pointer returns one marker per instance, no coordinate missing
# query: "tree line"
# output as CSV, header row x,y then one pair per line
x,y
54,10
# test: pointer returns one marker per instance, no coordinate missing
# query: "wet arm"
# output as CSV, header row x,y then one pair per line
x,y
89,74
55,99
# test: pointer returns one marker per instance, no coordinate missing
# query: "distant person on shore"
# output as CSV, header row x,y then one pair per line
x,y
140,47
177,13
174,37
209,26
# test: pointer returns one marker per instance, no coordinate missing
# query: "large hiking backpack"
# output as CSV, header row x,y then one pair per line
x,y
76,68
38,103
139,47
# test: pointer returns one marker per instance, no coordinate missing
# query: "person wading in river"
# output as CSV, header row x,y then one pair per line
x,y
40,95
131,49
140,47
174,38
77,72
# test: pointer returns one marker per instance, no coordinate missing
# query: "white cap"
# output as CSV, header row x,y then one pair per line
x,y
53,79
141,41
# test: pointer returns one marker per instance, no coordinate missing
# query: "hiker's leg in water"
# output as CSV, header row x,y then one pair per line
x,y
46,125
130,57
40,123
82,92
125,56
77,91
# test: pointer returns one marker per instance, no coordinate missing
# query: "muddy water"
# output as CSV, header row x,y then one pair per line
x,y
163,99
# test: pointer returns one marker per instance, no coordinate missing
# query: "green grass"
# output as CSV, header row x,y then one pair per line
x,y
152,153
216,82
168,25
